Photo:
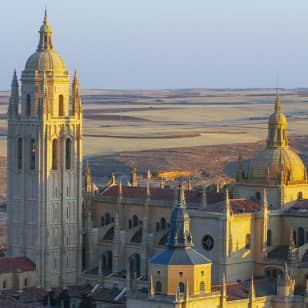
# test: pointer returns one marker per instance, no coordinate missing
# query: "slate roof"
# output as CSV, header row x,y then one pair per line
x,y
300,207
179,257
280,252
12,264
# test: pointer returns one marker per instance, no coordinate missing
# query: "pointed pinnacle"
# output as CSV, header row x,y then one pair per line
x,y
120,188
148,190
45,16
277,104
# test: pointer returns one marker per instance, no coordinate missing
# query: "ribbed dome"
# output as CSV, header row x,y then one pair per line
x,y
46,60
272,163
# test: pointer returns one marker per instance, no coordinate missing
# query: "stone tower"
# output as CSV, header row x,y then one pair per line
x,y
44,167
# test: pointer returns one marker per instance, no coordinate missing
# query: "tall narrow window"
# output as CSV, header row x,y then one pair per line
x,y
68,154
163,223
19,153
269,238
181,287
55,154
28,105
158,287
26,282
202,287
247,246
33,154
61,106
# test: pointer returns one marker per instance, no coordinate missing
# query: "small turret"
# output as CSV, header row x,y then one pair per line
x,y
240,169
162,183
76,100
228,210
88,179
14,98
189,185
223,292
204,198
252,291
292,259
133,179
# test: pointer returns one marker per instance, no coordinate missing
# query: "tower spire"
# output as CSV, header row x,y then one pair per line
x,y
45,42
277,127
76,104
179,235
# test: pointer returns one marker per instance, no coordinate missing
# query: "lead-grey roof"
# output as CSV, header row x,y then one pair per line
x,y
179,257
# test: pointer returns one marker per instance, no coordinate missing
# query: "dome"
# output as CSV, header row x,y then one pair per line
x,y
272,163
47,60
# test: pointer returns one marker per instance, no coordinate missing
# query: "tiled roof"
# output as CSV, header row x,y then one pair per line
x,y
12,264
162,194
237,206
280,252
240,290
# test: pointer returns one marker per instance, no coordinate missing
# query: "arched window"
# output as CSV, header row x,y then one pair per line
x,y
102,221
258,196
68,154
158,287
157,227
269,238
202,287
26,282
163,223
301,236
247,246
294,238
33,153
129,223
19,153
299,195
55,154
28,105
181,287
61,106
107,219
135,220
4,284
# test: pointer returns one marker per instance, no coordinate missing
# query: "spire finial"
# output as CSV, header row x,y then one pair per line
x,y
148,190
204,198
252,291
181,197
224,286
228,206
120,188
265,203
45,15
45,42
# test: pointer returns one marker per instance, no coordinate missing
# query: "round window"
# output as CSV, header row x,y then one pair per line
x,y
207,242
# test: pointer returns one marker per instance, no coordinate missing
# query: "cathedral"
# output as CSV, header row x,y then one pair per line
x,y
163,247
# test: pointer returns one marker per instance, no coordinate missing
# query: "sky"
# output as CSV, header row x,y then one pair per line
x,y
159,44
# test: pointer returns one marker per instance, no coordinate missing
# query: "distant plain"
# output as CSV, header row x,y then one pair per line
x,y
155,129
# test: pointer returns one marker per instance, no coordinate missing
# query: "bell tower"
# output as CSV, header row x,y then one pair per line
x,y
44,166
